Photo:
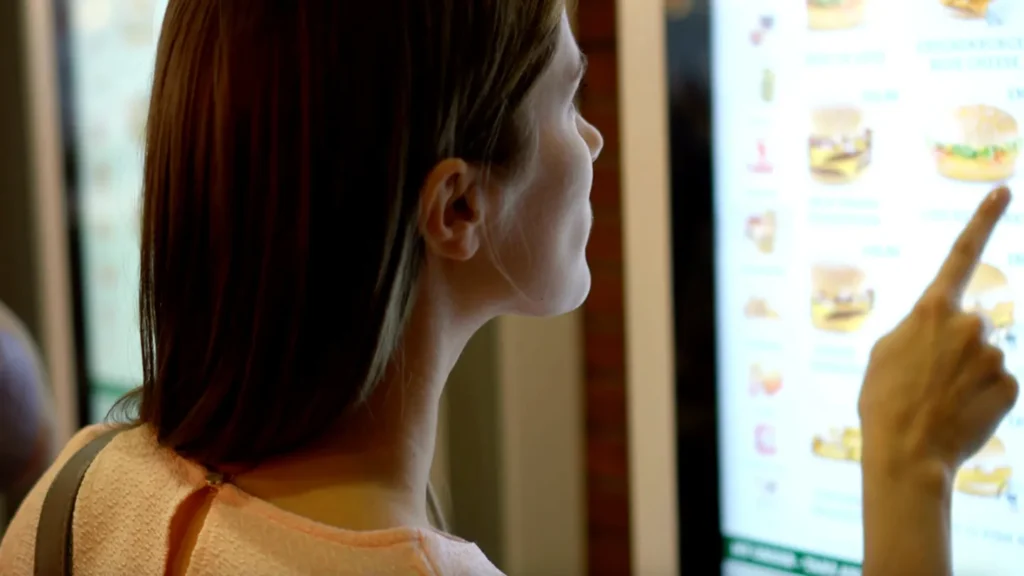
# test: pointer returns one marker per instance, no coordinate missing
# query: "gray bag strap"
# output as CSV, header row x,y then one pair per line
x,y
53,536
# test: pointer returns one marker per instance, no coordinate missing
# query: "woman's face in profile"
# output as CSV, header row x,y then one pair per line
x,y
541,242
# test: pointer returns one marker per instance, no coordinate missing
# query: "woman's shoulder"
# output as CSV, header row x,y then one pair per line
x,y
17,550
451,555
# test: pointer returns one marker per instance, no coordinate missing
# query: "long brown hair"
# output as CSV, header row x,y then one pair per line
x,y
286,144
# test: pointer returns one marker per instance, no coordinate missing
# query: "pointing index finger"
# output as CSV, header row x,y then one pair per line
x,y
962,259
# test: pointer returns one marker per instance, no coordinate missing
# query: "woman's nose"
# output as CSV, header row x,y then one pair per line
x,y
593,138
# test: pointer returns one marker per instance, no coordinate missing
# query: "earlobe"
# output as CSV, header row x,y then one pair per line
x,y
452,210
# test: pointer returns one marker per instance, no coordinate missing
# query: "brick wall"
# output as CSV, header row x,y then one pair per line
x,y
606,434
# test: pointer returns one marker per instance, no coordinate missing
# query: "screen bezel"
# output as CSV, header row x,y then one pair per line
x,y
689,63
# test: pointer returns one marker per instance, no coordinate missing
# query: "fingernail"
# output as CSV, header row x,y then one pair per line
x,y
999,195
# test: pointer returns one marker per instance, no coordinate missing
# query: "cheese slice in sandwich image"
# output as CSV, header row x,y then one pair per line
x,y
987,473
841,301
843,444
839,145
967,9
988,294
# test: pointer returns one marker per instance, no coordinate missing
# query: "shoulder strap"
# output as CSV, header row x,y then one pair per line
x,y
53,536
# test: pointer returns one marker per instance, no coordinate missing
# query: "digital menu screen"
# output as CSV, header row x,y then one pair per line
x,y
108,53
853,139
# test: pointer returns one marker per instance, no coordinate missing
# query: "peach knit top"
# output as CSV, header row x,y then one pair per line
x,y
129,496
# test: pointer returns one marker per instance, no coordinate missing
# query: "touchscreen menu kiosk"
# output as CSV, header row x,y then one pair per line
x,y
851,140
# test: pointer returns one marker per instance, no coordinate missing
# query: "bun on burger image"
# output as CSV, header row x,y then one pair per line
x,y
834,14
987,473
839,145
840,301
988,294
977,143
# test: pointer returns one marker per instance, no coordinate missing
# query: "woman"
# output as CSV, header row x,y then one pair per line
x,y
337,195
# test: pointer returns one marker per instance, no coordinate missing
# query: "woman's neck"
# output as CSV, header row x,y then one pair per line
x,y
372,471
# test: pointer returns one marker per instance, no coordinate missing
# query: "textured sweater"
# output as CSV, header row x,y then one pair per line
x,y
122,525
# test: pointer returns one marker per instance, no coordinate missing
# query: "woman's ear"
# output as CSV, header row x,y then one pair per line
x,y
452,210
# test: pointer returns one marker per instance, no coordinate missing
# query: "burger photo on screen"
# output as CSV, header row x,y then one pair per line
x,y
988,294
834,14
840,302
977,143
840,145
759,308
843,444
987,473
760,229
967,9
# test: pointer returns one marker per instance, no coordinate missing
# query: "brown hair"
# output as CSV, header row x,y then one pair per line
x,y
287,141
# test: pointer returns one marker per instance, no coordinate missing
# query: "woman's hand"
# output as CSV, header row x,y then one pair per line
x,y
935,389
933,394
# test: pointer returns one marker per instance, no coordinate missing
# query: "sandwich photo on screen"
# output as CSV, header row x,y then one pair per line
x,y
988,294
841,302
760,229
967,9
840,145
759,309
841,444
834,14
987,473
977,143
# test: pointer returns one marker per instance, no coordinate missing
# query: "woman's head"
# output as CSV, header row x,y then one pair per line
x,y
312,167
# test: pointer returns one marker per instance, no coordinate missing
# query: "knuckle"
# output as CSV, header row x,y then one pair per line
x,y
994,359
930,306
972,326
1012,388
